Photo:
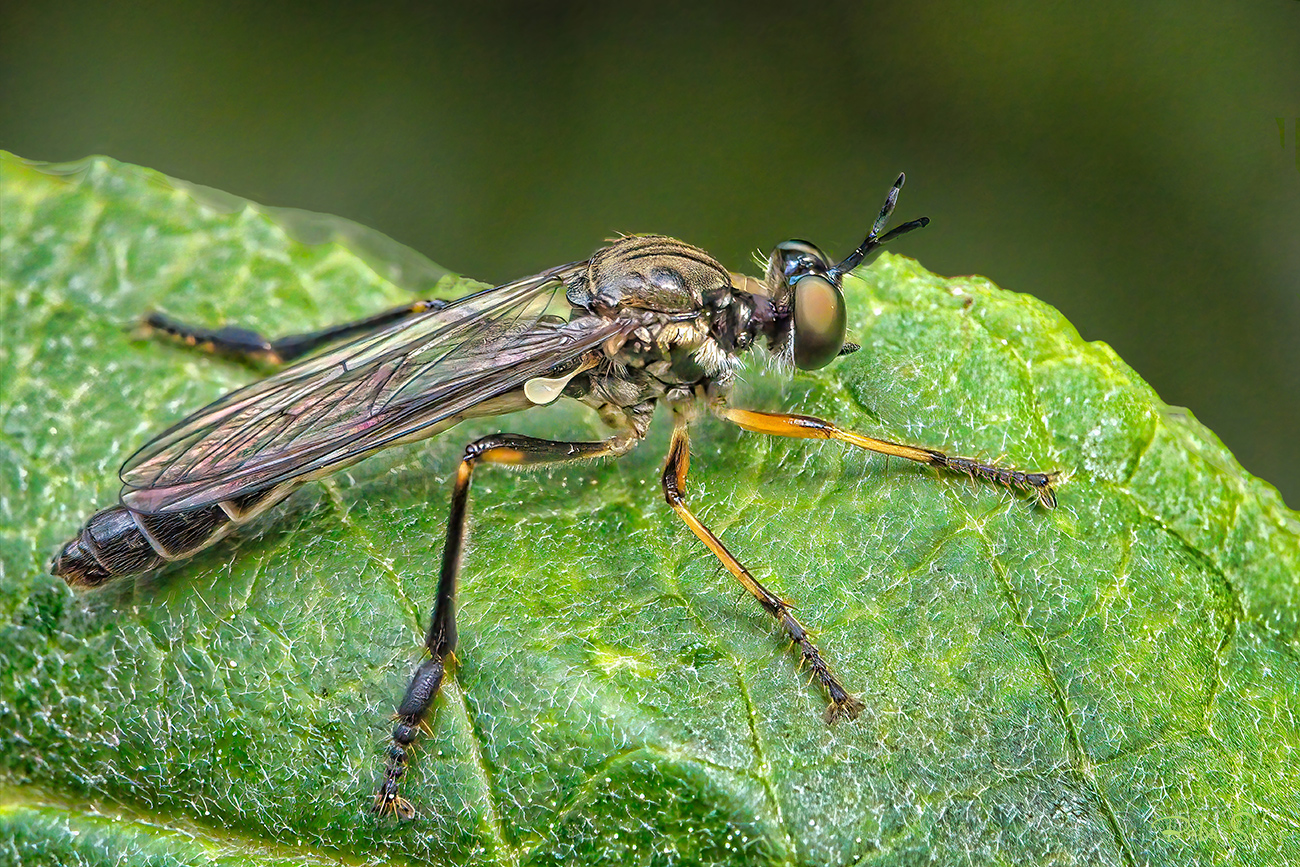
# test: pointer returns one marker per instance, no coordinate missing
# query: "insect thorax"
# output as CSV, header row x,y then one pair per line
x,y
687,325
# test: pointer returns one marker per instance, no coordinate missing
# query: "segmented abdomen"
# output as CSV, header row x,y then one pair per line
x,y
119,541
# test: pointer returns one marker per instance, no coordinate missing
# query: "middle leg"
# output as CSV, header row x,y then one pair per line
x,y
674,480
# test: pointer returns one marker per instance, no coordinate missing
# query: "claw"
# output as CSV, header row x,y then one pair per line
x,y
387,800
848,708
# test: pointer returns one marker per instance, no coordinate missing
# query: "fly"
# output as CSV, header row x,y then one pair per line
x,y
647,319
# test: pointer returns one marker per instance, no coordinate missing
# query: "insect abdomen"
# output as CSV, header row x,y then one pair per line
x,y
109,546
119,541
114,544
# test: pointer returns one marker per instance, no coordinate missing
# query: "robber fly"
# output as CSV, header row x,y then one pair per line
x,y
644,320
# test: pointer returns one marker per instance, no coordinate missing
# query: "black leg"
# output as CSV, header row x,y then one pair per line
x,y
805,426
505,449
674,480
248,345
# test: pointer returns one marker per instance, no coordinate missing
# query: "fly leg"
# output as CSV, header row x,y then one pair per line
x,y
246,345
674,480
805,426
512,450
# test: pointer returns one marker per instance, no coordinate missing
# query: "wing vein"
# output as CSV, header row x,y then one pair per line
x,y
392,385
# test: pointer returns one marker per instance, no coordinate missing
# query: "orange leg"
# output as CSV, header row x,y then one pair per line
x,y
808,427
674,480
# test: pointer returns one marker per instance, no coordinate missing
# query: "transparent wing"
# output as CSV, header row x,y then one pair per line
x,y
332,409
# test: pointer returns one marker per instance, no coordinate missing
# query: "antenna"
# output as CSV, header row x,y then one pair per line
x,y
874,238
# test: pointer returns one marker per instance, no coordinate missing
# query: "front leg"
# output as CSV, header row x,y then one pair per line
x,y
808,427
511,450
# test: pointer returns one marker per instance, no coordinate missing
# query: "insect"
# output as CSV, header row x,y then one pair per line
x,y
647,319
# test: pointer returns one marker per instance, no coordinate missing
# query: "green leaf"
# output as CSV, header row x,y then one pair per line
x,y
1113,682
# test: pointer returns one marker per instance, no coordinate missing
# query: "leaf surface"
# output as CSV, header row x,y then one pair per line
x,y
1116,681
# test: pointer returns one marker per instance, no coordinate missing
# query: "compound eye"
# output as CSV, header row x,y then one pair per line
x,y
799,257
820,320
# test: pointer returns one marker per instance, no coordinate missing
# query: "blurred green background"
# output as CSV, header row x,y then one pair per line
x,y
1125,163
